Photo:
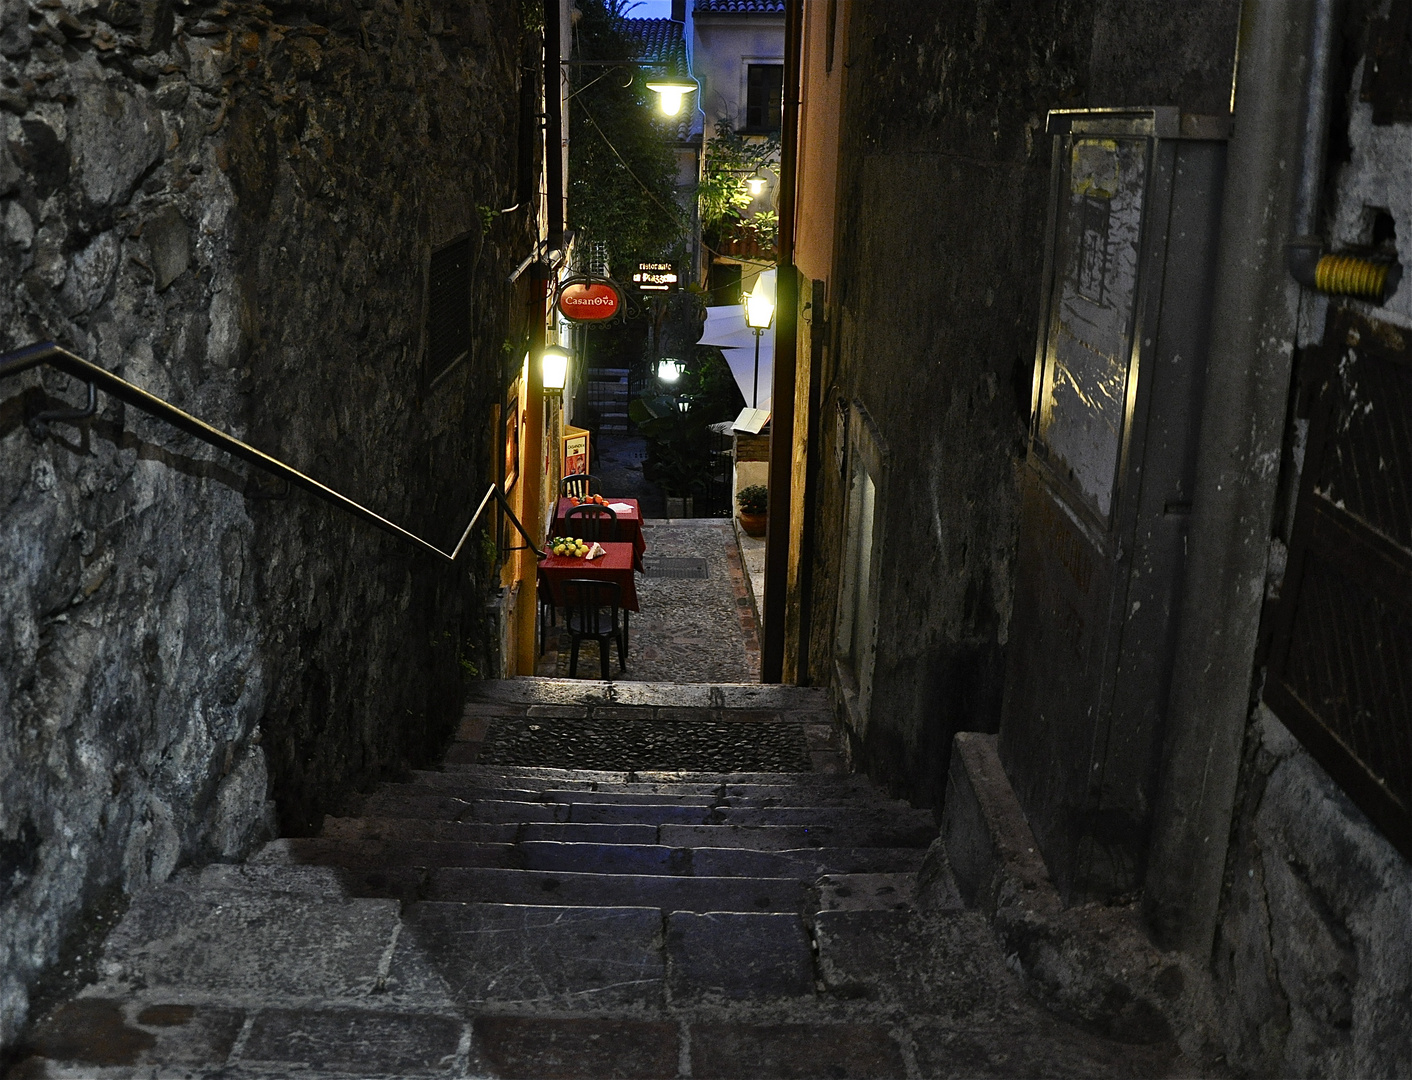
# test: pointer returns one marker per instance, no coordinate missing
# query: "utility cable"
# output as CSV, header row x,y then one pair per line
x,y
674,214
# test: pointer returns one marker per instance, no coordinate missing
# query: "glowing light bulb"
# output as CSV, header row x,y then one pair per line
x,y
555,365
671,93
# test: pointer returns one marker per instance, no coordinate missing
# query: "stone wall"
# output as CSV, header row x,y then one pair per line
x,y
1312,963
945,184
233,206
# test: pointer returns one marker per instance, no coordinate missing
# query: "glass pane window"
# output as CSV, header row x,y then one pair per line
x,y
764,96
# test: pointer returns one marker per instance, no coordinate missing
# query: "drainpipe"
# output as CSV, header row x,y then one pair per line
x,y
1238,456
786,338
1305,255
553,130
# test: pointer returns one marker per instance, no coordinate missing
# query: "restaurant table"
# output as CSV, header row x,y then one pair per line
x,y
629,525
615,566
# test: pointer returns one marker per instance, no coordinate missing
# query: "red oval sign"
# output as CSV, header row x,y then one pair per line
x,y
589,301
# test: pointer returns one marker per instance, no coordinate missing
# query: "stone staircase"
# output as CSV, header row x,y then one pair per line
x,y
608,399
501,919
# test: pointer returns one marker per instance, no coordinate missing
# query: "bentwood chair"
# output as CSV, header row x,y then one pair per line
x,y
580,486
591,611
590,522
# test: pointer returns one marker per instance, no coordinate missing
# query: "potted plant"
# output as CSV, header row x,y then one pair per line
x,y
754,503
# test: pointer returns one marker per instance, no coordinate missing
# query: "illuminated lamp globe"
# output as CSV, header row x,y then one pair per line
x,y
759,310
669,371
756,184
671,93
554,363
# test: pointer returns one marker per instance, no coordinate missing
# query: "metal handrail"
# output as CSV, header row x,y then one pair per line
x,y
47,353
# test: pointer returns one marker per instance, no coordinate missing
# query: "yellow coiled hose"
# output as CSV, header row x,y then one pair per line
x,y
1348,275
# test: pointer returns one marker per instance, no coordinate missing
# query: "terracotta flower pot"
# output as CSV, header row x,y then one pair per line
x,y
753,524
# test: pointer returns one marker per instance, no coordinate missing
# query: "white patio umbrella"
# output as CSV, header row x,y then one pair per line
x,y
726,329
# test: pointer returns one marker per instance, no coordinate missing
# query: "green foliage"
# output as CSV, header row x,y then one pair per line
x,y
622,170
731,158
754,499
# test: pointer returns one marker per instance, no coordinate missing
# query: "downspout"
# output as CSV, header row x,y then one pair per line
x,y
786,340
1241,434
1306,256
553,130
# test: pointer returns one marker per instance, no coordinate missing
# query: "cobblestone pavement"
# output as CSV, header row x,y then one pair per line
x,y
642,744
689,630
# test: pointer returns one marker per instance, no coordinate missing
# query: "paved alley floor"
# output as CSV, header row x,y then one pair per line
x,y
690,630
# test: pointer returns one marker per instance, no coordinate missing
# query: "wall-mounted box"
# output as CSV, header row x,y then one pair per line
x,y
1107,483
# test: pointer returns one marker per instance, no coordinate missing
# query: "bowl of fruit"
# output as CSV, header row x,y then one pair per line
x,y
570,547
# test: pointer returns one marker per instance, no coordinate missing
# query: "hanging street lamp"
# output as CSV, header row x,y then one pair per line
x,y
671,91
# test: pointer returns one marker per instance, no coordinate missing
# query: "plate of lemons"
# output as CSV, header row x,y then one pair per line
x,y
573,548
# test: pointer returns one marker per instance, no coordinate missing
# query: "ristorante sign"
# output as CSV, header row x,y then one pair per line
x,y
589,300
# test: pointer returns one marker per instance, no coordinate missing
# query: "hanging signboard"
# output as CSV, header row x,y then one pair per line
x,y
575,444
655,277
589,299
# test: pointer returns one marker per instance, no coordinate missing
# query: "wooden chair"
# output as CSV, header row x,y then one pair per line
x,y
591,611
580,486
591,522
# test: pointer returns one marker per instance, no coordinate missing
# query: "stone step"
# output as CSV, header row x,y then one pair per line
x,y
840,786
562,958
527,690
375,854
395,801
552,855
750,838
787,837
867,892
542,777
479,832
761,795
666,892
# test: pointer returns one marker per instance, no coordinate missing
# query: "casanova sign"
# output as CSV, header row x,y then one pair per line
x,y
589,300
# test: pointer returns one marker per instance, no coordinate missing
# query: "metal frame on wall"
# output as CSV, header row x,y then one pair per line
x,y
1340,661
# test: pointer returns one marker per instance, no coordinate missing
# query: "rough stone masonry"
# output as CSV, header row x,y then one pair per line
x,y
232,205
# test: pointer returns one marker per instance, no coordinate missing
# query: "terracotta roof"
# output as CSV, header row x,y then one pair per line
x,y
739,7
658,41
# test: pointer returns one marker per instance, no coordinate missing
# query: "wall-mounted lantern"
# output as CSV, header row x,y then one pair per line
x,y
554,363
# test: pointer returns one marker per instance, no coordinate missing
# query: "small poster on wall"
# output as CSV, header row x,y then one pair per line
x,y
512,437
575,442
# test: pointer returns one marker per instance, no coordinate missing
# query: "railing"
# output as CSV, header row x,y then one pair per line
x,y
51,355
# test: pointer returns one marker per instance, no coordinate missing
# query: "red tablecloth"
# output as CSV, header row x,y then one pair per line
x,y
615,566
629,526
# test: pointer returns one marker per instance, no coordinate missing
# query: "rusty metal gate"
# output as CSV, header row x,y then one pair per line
x,y
1340,663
